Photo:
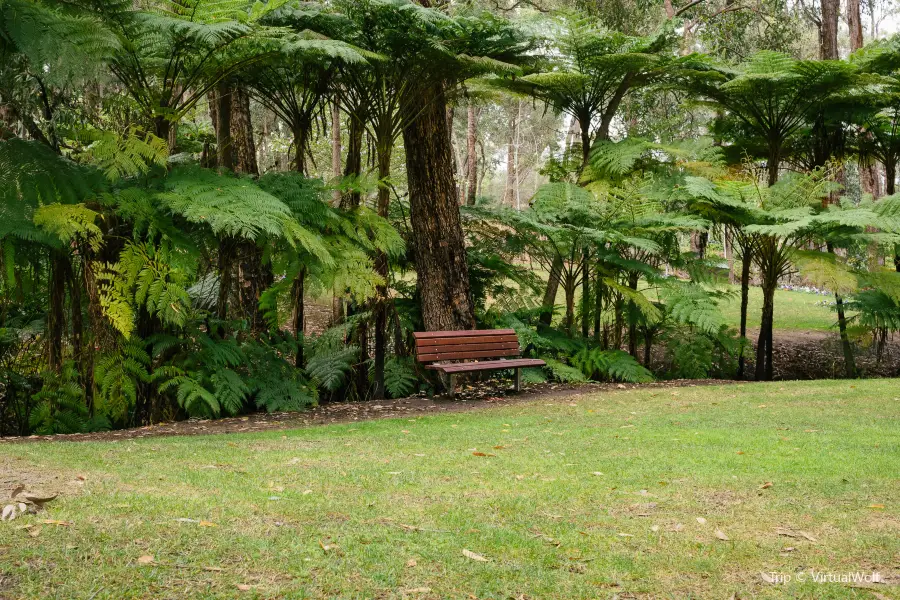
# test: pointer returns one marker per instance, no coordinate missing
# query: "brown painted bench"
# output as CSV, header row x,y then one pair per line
x,y
454,352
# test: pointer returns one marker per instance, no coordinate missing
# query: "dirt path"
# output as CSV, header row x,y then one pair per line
x,y
478,396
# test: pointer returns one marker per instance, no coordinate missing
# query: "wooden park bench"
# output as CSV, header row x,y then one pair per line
x,y
454,352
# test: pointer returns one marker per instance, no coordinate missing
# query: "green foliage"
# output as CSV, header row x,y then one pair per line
x,y
564,373
400,377
614,365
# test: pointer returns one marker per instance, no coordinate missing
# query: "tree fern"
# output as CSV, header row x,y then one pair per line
x,y
400,377
611,364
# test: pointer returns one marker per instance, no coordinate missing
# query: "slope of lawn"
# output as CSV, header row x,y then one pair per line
x,y
793,309
643,493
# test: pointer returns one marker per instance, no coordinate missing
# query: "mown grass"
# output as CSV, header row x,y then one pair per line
x,y
793,309
579,498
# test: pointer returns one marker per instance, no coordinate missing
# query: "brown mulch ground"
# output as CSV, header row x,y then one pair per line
x,y
472,397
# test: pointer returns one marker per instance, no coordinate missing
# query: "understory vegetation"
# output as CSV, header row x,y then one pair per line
x,y
181,179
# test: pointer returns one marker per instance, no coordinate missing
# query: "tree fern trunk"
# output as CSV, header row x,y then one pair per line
x,y
224,150
439,243
764,369
632,318
598,304
297,315
569,287
225,261
549,300
382,268
471,172
353,166
585,295
746,263
56,320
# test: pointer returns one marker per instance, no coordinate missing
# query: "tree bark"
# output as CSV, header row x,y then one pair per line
x,y
224,149
828,30
353,166
471,169
440,251
746,263
298,320
764,343
511,192
242,142
585,295
632,318
56,316
549,300
382,268
336,148
854,23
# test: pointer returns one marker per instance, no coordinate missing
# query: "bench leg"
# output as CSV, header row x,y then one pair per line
x,y
517,380
451,384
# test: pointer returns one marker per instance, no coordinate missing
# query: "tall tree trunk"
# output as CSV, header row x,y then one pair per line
x,y
632,318
549,300
764,343
471,169
584,123
243,143
301,140
569,287
224,147
440,250
854,23
846,345
382,268
254,277
598,304
746,263
353,166
298,321
56,316
336,149
828,30
78,352
585,295
510,194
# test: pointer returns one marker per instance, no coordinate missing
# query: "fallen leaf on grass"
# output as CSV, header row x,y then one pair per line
x,y
767,578
411,563
654,528
145,560
701,520
418,590
766,485
213,569
597,473
498,447
474,556
34,531
58,523
721,535
207,524
243,587
794,534
481,454
625,535
877,506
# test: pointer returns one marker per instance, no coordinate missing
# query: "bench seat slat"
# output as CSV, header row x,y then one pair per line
x,y
487,365
422,335
455,341
466,354
422,350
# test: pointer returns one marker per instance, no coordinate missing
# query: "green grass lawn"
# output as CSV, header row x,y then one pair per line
x,y
619,493
793,310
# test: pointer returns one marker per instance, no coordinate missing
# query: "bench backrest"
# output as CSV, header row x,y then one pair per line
x,y
432,346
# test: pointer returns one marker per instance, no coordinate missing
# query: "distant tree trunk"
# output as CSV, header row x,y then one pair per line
x,y
383,269
301,140
242,142
598,304
764,353
746,263
585,295
298,321
854,23
549,300
353,166
846,345
78,352
569,286
512,178
224,149
440,251
828,30
471,169
336,149
56,319
632,318
584,122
